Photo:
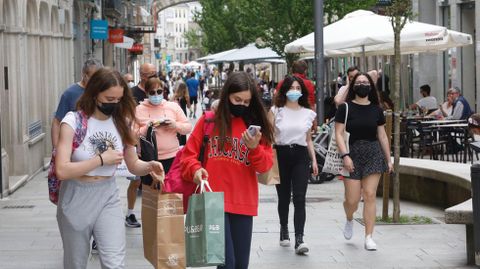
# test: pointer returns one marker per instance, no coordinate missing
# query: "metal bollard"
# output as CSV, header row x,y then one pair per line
x,y
475,181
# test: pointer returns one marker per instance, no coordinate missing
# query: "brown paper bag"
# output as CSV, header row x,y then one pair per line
x,y
162,227
272,176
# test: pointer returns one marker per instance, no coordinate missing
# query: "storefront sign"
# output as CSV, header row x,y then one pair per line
x,y
137,48
99,29
115,35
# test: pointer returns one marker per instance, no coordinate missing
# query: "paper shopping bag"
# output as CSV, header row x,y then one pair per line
x,y
272,176
205,229
163,236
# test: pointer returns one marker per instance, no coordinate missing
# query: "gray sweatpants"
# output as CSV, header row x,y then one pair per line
x,y
91,208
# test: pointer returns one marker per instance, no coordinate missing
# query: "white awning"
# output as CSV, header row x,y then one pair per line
x,y
248,54
127,43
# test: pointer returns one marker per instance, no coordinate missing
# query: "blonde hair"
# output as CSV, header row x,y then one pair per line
x,y
182,91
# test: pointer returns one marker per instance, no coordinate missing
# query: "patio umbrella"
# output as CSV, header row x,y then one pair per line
x,y
193,64
176,64
364,32
248,54
210,57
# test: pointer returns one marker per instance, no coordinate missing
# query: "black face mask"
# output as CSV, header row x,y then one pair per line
x,y
361,90
107,108
237,110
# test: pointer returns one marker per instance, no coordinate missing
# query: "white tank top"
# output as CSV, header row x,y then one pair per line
x,y
291,126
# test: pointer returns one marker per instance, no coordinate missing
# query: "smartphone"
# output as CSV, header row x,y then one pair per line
x,y
253,129
165,122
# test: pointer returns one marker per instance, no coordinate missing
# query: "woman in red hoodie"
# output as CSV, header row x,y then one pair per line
x,y
168,119
233,157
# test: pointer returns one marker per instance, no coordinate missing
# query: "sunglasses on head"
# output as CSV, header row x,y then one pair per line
x,y
152,92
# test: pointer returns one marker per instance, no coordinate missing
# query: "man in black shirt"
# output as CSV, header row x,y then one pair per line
x,y
147,70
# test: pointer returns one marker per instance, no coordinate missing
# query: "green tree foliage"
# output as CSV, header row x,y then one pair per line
x,y
337,9
284,21
227,24
194,39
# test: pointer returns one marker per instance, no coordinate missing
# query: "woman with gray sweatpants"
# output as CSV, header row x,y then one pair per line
x,y
89,202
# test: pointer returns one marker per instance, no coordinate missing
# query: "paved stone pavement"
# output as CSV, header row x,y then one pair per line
x,y
29,237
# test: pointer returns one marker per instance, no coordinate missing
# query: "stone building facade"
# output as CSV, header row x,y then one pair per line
x,y
36,57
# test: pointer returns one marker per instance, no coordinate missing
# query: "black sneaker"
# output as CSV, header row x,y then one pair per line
x,y
94,248
300,246
131,221
284,238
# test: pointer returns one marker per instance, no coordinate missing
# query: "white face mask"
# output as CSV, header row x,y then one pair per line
x,y
131,84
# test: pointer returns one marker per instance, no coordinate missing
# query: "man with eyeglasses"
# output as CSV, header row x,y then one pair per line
x,y
147,71
461,109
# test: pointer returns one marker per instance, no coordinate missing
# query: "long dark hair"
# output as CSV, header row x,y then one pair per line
x,y
255,113
281,96
124,116
372,96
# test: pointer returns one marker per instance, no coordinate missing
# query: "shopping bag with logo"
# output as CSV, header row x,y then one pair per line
x,y
205,228
80,131
163,236
333,159
272,176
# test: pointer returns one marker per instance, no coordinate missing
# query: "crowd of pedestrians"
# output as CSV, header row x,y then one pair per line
x,y
117,112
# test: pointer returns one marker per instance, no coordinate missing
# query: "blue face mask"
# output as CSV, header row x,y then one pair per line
x,y
155,99
294,95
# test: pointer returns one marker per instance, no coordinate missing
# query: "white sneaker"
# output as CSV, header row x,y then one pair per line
x,y
300,246
302,249
369,243
348,230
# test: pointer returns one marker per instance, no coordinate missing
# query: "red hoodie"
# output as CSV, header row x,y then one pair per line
x,y
232,170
